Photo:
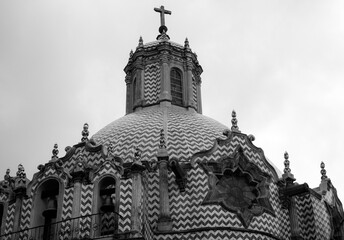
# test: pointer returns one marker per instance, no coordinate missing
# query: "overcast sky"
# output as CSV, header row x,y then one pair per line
x,y
279,64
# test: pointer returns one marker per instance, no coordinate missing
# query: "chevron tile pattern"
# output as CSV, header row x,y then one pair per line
x,y
67,212
228,147
9,222
25,216
141,129
214,235
328,197
186,209
306,216
125,205
196,133
322,219
67,203
50,171
152,83
280,225
86,209
147,229
108,223
105,168
94,159
153,199
3,197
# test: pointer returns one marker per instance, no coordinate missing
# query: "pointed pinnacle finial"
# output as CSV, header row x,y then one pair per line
x,y
286,163
162,139
85,133
234,127
55,151
186,44
131,53
323,171
140,42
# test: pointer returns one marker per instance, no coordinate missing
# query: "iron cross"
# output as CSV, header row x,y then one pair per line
x,y
162,12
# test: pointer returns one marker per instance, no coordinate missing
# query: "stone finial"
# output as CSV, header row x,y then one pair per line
x,y
7,175
137,154
21,171
140,42
110,149
186,44
55,152
162,144
131,53
234,127
323,171
286,163
85,133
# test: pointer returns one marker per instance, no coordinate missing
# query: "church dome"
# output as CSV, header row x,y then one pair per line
x,y
186,132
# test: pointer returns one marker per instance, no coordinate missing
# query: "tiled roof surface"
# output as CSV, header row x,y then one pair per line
x,y
187,133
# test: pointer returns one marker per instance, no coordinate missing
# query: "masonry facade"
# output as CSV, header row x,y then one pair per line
x,y
165,171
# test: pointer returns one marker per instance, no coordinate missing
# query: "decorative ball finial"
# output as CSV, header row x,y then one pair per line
x,y
323,171
234,127
85,133
55,151
286,163
162,139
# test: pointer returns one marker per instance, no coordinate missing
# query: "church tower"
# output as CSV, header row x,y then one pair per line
x,y
165,171
163,72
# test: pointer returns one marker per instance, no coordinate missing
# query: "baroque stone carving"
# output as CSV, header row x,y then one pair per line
x,y
239,186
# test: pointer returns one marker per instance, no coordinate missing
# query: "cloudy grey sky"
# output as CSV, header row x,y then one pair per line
x,y
279,64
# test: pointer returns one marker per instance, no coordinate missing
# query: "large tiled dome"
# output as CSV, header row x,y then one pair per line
x,y
186,133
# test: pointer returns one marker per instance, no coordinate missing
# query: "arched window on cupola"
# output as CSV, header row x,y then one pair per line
x,y
47,206
107,205
176,86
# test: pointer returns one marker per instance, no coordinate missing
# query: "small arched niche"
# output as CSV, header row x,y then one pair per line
x,y
47,207
107,194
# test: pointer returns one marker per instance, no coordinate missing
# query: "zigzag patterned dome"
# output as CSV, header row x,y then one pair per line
x,y
187,132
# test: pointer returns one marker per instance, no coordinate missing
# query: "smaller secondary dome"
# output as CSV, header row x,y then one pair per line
x,y
186,133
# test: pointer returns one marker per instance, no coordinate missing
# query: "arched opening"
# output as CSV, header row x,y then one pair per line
x,y
46,208
176,86
107,205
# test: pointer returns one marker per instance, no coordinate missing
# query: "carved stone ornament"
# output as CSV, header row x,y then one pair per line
x,y
239,186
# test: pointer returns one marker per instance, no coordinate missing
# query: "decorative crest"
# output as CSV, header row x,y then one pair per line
x,y
234,127
55,151
323,171
85,133
162,139
286,163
